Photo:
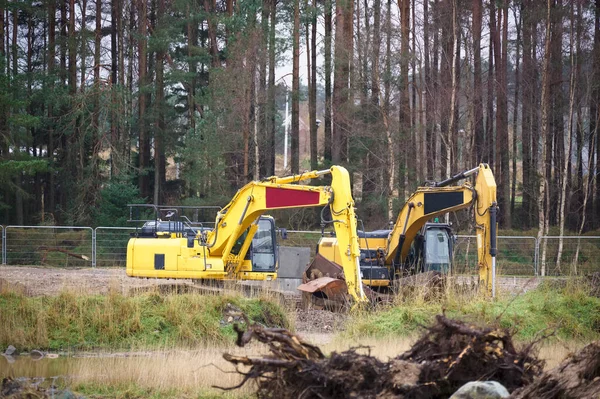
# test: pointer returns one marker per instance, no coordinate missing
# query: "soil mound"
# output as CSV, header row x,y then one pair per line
x,y
449,354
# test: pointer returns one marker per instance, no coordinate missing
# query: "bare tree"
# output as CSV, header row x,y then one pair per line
x,y
542,170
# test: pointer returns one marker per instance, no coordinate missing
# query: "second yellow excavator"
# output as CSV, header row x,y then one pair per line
x,y
414,244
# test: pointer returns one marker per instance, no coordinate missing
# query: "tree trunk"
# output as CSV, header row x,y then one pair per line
x,y
314,157
595,117
83,43
263,108
115,32
192,65
4,133
445,89
518,20
478,132
453,97
144,142
51,73
434,93
489,122
272,110
159,133
96,117
404,111
542,170
567,159
327,61
341,93
502,129
209,7
428,161
295,149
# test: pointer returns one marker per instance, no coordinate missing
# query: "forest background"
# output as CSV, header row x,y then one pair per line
x,y
104,103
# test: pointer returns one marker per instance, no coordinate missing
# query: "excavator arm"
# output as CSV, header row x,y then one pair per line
x,y
258,197
428,202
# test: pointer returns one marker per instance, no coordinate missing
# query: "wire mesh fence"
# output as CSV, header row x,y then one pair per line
x,y
569,255
516,255
3,239
465,255
48,245
65,246
110,245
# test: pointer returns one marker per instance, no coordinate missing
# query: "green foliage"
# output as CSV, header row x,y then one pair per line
x,y
30,166
75,322
112,208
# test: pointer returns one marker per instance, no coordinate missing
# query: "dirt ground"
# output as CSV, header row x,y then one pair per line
x,y
50,281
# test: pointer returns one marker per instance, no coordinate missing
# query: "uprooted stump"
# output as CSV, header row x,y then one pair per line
x,y
576,377
449,354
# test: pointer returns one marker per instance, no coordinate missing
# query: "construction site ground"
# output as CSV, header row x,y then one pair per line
x,y
36,281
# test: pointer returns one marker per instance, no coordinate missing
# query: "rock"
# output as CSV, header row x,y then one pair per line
x,y
481,390
52,355
66,394
11,350
37,355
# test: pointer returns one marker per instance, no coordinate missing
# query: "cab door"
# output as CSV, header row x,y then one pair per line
x,y
263,252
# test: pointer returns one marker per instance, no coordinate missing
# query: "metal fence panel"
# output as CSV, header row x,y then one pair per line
x,y
110,247
580,255
3,246
516,255
48,245
465,255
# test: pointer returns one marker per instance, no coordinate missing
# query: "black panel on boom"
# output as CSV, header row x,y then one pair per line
x,y
437,201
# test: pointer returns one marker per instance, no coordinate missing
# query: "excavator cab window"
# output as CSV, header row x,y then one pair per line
x,y
263,250
437,250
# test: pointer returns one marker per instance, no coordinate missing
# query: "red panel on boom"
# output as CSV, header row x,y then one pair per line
x,y
284,197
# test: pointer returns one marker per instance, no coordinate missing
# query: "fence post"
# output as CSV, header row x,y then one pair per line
x,y
3,245
537,257
94,247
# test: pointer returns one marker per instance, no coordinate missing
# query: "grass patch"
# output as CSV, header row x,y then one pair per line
x,y
133,391
73,321
569,310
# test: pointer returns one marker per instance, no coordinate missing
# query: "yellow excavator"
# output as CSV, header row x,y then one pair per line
x,y
241,246
414,244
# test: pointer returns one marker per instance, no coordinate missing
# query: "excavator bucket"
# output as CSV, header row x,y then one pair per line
x,y
324,285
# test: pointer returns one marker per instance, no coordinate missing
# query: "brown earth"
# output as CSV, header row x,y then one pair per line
x,y
50,280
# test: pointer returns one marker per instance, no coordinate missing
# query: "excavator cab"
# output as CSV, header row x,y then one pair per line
x,y
431,250
263,250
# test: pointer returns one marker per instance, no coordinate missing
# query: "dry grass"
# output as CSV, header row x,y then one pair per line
x,y
193,372
74,320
